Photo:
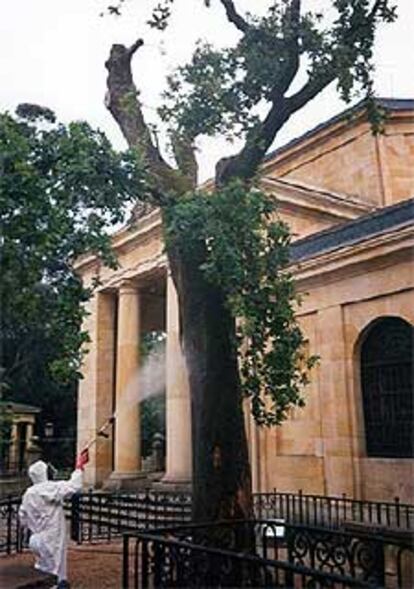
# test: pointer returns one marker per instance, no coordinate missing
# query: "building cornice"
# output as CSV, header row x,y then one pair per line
x,y
125,238
290,195
315,270
313,200
139,273
381,221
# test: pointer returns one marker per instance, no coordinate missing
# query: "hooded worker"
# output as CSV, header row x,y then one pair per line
x,y
41,511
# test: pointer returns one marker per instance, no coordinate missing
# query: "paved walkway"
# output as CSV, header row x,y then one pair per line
x,y
17,572
96,566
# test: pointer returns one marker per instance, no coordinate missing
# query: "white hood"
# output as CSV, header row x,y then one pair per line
x,y
38,472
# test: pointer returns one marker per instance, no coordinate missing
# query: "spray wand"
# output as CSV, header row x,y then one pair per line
x,y
101,433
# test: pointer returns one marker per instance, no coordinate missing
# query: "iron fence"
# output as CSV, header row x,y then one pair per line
x,y
95,516
274,555
12,537
333,512
10,469
103,516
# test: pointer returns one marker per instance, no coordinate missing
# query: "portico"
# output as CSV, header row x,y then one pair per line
x,y
126,306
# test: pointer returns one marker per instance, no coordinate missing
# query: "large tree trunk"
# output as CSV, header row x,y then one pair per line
x,y
221,471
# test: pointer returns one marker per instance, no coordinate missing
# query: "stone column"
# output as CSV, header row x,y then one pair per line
x,y
104,366
127,424
13,448
28,443
178,408
29,433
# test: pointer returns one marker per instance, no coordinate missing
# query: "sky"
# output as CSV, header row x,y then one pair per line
x,y
52,52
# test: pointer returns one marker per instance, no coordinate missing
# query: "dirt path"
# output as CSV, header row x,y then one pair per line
x,y
96,566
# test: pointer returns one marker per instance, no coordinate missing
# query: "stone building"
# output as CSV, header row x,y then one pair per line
x,y
347,196
17,450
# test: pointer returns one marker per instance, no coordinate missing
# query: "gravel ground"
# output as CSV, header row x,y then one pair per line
x,y
96,566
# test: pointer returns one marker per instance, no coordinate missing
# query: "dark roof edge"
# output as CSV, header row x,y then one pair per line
x,y
389,104
19,407
353,231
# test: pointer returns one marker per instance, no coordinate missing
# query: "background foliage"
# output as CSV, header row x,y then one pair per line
x,y
245,251
61,187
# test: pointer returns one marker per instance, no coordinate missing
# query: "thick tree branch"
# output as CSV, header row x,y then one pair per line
x,y
311,89
184,154
246,163
122,100
291,35
318,82
123,103
234,17
134,47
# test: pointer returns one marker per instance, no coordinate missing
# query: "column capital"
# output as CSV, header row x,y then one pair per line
x,y
128,287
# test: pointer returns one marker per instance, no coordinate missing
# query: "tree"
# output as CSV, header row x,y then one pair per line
x,y
61,187
228,255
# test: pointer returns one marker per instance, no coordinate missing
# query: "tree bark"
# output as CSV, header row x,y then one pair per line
x,y
221,470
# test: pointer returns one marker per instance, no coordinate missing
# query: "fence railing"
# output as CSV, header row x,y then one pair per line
x,y
12,537
332,512
12,469
102,516
263,554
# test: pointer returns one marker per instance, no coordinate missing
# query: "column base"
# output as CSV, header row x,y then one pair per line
x,y
127,481
174,484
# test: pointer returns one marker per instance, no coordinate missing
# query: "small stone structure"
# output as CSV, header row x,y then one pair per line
x,y
21,449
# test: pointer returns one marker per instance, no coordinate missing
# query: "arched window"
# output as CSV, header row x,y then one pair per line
x,y
387,388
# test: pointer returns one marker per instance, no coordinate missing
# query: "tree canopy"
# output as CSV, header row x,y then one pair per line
x,y
282,60
61,187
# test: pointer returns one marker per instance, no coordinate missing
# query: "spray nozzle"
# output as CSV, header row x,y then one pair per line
x,y
101,433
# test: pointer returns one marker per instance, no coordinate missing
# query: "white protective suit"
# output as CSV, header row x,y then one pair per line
x,y
42,512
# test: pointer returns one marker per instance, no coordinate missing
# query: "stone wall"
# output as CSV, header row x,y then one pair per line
x,y
349,159
396,152
321,448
